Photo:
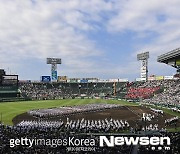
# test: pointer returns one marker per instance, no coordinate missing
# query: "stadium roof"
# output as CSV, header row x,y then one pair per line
x,y
169,55
171,58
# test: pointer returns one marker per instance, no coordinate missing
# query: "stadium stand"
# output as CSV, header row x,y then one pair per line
x,y
164,92
170,96
39,90
134,93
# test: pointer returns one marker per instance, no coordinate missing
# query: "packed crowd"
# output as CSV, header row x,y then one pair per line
x,y
169,96
154,92
64,111
143,92
40,132
39,91
164,92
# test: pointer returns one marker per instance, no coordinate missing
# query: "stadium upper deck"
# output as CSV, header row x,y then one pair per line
x,y
171,58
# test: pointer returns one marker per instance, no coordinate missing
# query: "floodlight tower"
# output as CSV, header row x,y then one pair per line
x,y
143,57
54,62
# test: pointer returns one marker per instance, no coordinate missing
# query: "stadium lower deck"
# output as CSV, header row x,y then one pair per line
x,y
164,92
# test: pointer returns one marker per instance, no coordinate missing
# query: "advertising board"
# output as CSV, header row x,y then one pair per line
x,y
45,79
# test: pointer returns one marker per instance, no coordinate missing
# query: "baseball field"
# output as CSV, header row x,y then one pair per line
x,y
9,110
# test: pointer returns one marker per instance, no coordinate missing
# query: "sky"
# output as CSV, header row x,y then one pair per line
x,y
94,38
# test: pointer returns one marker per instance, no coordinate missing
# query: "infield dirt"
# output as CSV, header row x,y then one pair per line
x,y
132,114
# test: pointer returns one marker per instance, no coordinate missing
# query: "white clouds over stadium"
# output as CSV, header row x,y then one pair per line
x,y
31,30
160,17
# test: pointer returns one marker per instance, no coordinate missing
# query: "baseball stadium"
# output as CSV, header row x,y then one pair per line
x,y
58,106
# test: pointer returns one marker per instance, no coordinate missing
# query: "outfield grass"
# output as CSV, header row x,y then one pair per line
x,y
9,110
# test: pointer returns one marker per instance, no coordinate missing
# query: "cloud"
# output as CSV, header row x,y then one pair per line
x,y
32,30
40,29
159,17
156,21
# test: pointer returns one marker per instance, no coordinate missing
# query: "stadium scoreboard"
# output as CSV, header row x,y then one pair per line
x,y
53,61
143,56
9,80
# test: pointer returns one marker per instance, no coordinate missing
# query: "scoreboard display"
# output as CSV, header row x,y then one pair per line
x,y
53,61
9,80
143,56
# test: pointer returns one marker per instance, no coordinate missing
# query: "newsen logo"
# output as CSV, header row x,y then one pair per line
x,y
117,141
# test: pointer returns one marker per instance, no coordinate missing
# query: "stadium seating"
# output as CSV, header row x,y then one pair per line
x,y
157,91
137,93
170,94
59,90
164,92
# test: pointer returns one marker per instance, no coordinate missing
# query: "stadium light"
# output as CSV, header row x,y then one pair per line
x,y
143,57
54,62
